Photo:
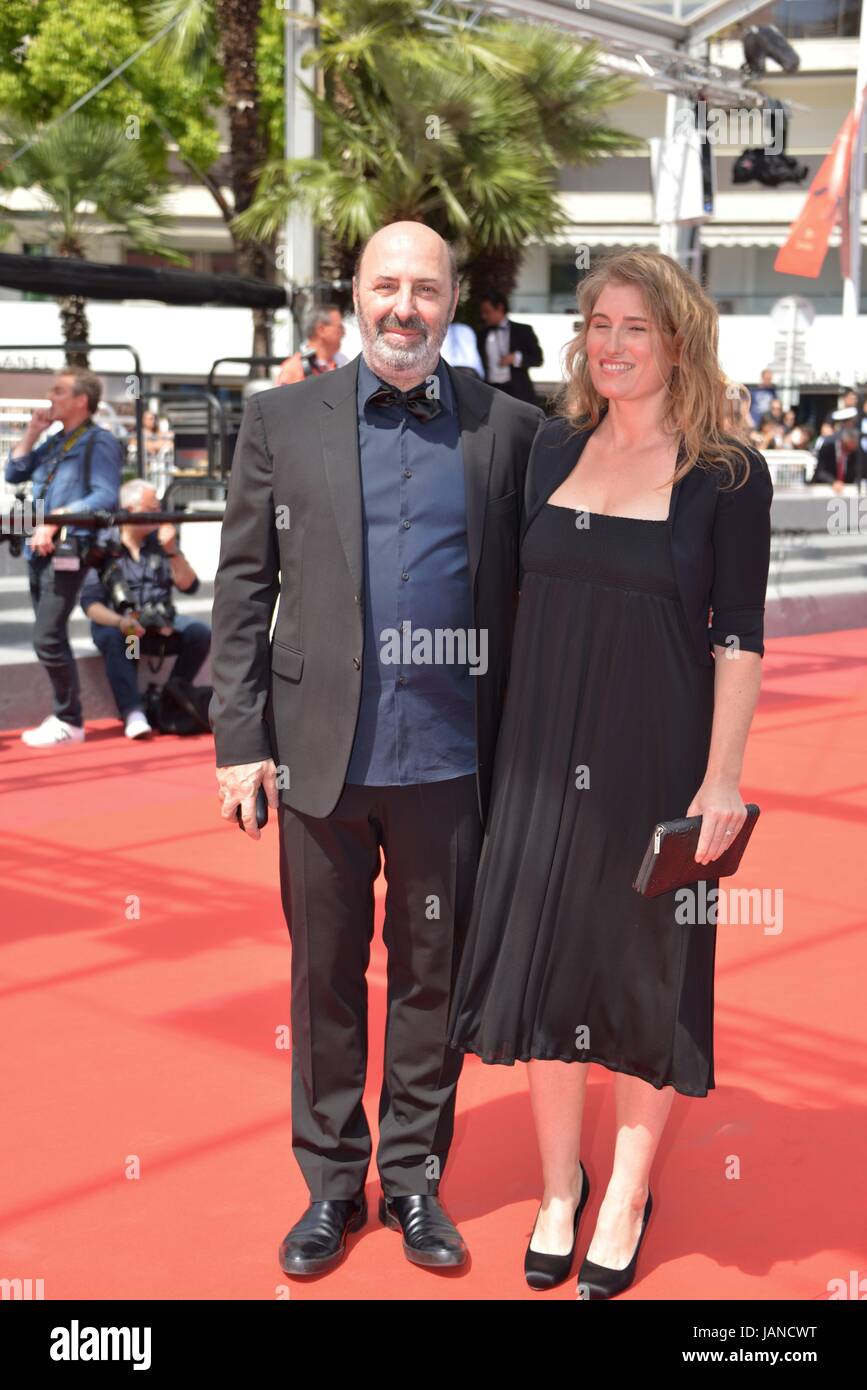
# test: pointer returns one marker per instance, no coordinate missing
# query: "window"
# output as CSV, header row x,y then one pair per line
x,y
809,19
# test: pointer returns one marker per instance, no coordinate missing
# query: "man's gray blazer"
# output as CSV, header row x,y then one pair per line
x,y
293,530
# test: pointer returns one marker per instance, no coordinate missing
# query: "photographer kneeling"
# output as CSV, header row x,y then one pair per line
x,y
129,596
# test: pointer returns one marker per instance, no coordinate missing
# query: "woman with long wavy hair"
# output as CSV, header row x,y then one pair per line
x,y
636,668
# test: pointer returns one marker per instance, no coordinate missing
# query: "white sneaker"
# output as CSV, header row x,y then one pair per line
x,y
52,730
136,725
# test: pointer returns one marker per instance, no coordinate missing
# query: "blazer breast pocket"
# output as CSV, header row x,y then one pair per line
x,y
506,503
286,661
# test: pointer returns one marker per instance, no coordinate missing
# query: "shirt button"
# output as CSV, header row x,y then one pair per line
x,y
401,680
407,472
356,663
406,525
404,575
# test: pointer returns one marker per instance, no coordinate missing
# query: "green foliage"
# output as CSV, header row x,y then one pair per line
x,y
53,52
85,165
463,127
270,62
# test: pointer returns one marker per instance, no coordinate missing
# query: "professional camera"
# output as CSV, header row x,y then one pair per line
x,y
100,550
103,554
151,616
157,615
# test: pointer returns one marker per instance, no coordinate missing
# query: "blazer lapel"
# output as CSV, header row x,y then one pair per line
x,y
339,433
553,466
477,447
677,489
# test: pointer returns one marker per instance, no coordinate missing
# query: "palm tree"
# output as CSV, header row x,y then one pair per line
x,y
567,93
464,128
229,28
80,169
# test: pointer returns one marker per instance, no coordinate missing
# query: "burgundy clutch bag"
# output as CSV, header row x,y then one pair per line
x,y
669,860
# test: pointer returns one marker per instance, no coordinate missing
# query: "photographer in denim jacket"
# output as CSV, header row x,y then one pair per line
x,y
77,469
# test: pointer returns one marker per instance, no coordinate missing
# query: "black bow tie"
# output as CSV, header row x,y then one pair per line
x,y
416,400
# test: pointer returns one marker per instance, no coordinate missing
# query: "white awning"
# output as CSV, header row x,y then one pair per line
x,y
723,234
713,234
607,236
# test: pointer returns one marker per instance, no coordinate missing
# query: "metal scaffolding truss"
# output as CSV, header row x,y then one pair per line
x,y
665,54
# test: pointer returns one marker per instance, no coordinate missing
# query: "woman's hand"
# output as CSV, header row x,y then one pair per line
x,y
722,812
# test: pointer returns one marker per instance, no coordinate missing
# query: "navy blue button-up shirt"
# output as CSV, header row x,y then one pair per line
x,y
416,721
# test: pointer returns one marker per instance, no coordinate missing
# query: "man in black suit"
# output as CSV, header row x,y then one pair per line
x,y
507,349
840,459
382,504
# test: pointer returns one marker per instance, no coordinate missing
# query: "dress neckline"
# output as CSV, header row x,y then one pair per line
x,y
612,516
616,516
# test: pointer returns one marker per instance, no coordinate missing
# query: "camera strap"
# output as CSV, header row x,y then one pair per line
x,y
85,464
62,449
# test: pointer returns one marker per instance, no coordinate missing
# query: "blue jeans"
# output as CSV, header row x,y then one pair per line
x,y
122,671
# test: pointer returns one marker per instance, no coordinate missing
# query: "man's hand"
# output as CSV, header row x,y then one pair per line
x,y
237,786
167,536
39,421
508,360
42,539
130,625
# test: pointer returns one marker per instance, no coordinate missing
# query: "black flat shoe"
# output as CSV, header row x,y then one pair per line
x,y
602,1282
318,1240
547,1271
429,1237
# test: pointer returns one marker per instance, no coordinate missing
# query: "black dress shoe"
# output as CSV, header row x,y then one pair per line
x,y
603,1282
547,1271
429,1237
318,1240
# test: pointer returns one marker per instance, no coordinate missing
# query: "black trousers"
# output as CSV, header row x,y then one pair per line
x,y
430,836
53,594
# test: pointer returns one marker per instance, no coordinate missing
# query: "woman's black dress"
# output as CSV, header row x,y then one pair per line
x,y
606,731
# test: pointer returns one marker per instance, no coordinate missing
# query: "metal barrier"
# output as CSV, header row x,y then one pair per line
x,y
251,361
235,425
79,346
217,446
216,423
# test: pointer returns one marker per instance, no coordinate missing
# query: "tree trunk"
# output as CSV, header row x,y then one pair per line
x,y
73,307
74,327
337,262
237,23
493,268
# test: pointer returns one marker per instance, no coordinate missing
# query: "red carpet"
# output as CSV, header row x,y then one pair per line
x,y
144,974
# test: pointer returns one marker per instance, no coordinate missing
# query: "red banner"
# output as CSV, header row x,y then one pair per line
x,y
846,223
807,243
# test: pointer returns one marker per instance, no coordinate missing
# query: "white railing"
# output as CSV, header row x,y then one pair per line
x,y
789,467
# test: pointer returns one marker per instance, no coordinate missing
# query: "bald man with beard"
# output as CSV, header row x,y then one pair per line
x,y
381,504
